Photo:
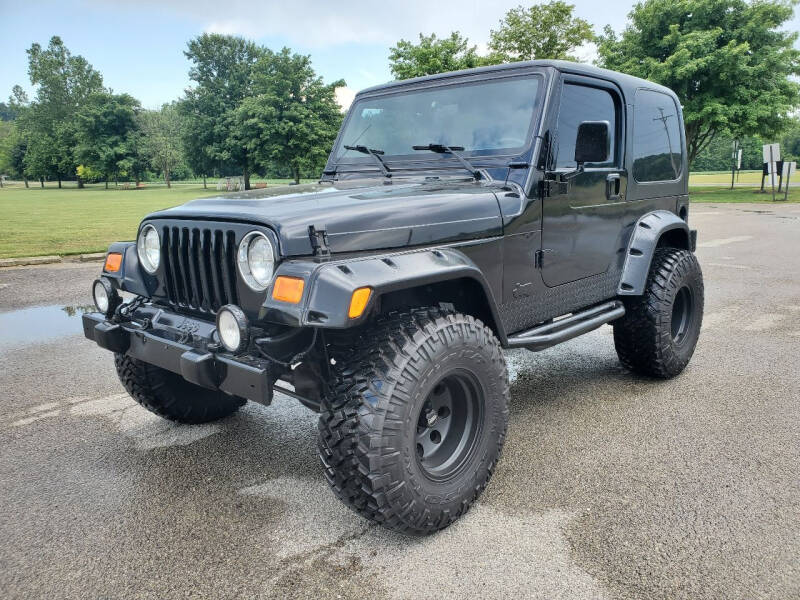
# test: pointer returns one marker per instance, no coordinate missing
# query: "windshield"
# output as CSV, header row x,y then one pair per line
x,y
488,117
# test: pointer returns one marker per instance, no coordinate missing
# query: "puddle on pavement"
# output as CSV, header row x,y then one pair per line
x,y
40,324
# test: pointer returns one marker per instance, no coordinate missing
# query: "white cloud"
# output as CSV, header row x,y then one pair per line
x,y
586,53
344,96
233,27
321,23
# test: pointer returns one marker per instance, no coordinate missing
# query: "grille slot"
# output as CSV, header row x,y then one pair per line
x,y
199,267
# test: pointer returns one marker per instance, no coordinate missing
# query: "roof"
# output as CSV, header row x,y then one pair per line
x,y
628,82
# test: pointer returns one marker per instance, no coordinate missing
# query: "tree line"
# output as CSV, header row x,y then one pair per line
x,y
251,109
730,62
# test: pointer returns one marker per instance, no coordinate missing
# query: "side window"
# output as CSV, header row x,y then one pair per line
x,y
581,103
656,138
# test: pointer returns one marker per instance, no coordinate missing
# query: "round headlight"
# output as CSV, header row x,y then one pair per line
x,y
106,298
100,297
148,247
232,328
256,260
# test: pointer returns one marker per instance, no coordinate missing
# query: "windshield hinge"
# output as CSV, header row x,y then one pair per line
x,y
319,240
554,187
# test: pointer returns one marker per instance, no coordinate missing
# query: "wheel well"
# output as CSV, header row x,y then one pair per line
x,y
465,294
674,238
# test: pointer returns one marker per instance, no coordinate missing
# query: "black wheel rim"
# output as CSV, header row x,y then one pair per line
x,y
449,425
682,314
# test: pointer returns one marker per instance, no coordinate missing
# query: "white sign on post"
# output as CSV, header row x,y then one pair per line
x,y
788,169
772,154
739,159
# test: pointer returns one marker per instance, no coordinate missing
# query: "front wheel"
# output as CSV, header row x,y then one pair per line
x,y
417,420
659,332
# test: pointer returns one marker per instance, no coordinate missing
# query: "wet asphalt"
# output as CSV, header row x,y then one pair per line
x,y
611,486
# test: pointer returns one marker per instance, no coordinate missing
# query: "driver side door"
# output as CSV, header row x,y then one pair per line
x,y
580,228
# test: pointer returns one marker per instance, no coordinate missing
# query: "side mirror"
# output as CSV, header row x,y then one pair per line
x,y
592,143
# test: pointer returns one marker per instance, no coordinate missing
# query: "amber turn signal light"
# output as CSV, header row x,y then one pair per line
x,y
358,302
113,262
288,289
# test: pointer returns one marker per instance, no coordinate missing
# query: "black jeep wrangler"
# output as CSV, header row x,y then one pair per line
x,y
516,206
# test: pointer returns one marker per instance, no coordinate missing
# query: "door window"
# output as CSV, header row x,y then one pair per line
x,y
581,103
656,138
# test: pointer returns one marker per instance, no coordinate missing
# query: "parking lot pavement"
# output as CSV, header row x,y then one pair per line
x,y
611,486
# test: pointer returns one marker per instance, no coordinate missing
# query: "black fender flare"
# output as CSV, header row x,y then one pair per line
x,y
647,233
330,285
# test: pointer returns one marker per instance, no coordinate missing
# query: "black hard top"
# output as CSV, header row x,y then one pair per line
x,y
627,83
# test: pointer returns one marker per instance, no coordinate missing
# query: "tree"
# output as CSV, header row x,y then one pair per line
x,y
18,151
7,112
222,68
8,139
548,30
162,137
727,60
292,118
718,154
197,140
106,125
41,157
15,145
63,83
790,144
434,55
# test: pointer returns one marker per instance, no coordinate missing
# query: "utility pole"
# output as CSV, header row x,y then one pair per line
x,y
663,118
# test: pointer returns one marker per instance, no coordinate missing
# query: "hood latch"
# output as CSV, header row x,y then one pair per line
x,y
319,240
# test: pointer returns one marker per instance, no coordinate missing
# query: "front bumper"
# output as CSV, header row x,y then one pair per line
x,y
185,346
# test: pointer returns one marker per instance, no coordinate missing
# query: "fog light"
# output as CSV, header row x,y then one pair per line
x,y
106,298
232,328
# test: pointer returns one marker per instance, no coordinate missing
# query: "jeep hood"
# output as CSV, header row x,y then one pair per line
x,y
358,215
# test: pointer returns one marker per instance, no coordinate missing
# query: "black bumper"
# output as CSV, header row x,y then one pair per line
x,y
180,344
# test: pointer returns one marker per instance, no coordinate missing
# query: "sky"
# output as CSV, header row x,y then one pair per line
x,y
138,44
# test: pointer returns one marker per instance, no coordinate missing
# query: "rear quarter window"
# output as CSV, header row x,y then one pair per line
x,y
657,142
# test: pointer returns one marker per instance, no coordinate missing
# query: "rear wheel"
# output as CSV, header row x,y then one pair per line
x,y
417,420
659,332
170,396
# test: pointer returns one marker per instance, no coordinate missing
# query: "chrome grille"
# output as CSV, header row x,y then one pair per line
x,y
199,267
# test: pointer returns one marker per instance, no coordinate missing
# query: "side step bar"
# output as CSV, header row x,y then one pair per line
x,y
566,328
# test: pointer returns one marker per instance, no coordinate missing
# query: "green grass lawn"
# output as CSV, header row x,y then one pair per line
x,y
710,194
724,178
36,222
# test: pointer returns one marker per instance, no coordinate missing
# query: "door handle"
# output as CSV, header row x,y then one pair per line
x,y
613,184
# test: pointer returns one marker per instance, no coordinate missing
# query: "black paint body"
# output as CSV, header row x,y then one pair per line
x,y
535,255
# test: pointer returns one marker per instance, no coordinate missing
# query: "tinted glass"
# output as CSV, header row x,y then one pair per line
x,y
656,137
581,103
489,116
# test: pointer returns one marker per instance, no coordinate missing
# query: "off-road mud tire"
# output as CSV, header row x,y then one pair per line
x,y
367,426
645,337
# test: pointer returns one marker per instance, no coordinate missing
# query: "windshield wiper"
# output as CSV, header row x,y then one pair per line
x,y
454,150
376,154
